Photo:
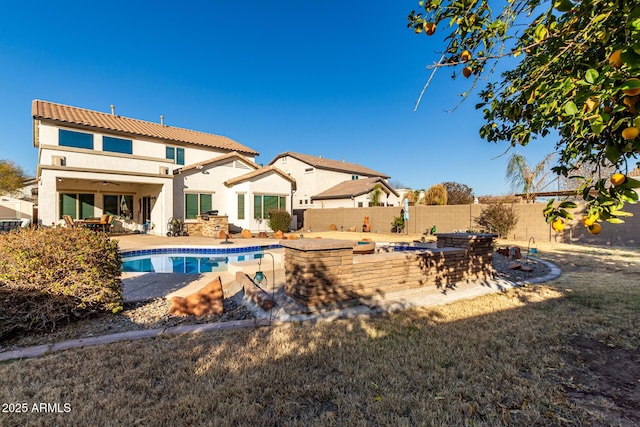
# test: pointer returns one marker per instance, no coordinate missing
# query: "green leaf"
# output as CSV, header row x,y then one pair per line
x,y
591,76
540,33
570,108
615,221
630,84
568,205
612,153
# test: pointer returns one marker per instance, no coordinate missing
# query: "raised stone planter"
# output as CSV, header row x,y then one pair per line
x,y
325,271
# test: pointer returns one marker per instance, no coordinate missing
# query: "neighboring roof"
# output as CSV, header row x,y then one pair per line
x,y
262,171
74,116
335,165
234,155
354,188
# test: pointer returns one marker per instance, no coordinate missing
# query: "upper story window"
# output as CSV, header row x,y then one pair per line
x,y
176,154
69,138
117,145
353,177
308,170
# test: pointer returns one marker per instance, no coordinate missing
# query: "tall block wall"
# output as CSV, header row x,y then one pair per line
x,y
450,218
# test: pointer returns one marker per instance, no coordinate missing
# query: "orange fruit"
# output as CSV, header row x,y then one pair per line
x,y
630,132
588,220
465,56
467,71
617,179
557,225
429,28
615,60
594,228
632,91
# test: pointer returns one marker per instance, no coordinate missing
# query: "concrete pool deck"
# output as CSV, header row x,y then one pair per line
x,y
146,286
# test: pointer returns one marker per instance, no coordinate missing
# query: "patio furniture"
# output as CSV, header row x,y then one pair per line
x,y
103,223
8,225
69,221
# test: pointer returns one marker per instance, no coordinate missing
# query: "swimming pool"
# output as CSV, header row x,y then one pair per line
x,y
187,260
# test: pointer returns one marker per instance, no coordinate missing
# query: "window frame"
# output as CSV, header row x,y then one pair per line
x,y
66,139
113,144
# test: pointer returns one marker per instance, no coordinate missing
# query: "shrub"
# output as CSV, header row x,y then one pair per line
x,y
397,225
498,218
279,220
436,195
51,275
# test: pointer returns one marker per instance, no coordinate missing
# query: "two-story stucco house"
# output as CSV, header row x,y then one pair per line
x,y
92,163
324,183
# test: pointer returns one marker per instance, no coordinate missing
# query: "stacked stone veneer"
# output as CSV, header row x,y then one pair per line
x,y
210,227
325,271
479,249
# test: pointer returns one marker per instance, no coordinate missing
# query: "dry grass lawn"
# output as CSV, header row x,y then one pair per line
x,y
565,353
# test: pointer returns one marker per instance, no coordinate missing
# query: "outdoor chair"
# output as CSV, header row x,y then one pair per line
x,y
108,224
69,221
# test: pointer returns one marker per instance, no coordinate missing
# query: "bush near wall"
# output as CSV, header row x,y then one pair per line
x,y
54,275
279,220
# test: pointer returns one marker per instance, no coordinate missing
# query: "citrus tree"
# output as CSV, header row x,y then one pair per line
x,y
576,73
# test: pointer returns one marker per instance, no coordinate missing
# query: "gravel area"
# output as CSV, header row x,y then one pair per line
x,y
155,313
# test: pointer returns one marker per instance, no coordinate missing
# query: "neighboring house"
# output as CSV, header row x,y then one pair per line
x,y
13,208
92,163
357,194
315,174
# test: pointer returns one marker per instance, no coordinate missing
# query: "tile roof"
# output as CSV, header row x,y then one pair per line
x,y
234,155
233,181
74,116
335,165
354,187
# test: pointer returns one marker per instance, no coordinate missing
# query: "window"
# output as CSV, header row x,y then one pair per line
x,y
68,138
263,203
195,203
240,206
359,204
117,145
308,170
354,177
76,205
120,205
176,154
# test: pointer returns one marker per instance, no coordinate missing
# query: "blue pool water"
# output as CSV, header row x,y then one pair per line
x,y
187,260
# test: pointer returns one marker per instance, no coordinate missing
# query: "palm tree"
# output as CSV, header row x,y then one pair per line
x,y
525,178
375,195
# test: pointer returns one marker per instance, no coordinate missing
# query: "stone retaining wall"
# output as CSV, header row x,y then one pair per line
x,y
324,271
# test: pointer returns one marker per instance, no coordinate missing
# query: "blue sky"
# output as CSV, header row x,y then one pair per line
x,y
333,78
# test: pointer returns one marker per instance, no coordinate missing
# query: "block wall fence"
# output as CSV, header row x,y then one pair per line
x,y
450,218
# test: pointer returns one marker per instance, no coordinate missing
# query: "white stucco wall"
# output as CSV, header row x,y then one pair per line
x,y
11,208
309,183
